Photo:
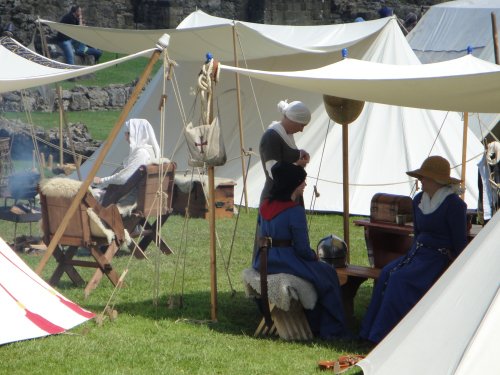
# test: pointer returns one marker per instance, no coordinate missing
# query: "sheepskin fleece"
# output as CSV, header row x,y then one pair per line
x,y
281,289
60,187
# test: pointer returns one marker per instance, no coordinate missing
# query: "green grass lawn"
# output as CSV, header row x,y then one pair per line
x,y
180,338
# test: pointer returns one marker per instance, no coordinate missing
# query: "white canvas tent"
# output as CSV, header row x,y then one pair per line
x,y
385,141
455,328
30,307
444,33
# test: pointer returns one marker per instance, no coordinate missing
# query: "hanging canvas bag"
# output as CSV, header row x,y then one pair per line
x,y
205,144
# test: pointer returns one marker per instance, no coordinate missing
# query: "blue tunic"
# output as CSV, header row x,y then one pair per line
x,y
439,237
327,318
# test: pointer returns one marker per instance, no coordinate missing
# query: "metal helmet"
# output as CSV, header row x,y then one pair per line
x,y
333,250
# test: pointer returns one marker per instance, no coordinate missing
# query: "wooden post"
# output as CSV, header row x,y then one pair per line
x,y
61,121
211,217
345,182
495,37
464,151
100,158
240,123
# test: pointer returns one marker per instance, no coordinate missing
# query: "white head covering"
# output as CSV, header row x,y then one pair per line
x,y
142,135
295,111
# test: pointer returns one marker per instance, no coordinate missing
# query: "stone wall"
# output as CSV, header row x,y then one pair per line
x,y
80,98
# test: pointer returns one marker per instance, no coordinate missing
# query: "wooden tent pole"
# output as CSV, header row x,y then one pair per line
x,y
464,151
211,218
61,120
495,37
100,158
345,182
240,123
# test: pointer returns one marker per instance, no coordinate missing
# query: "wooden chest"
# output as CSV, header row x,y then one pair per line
x,y
197,206
386,207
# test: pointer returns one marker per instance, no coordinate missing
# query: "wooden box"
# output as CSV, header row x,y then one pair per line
x,y
197,206
386,207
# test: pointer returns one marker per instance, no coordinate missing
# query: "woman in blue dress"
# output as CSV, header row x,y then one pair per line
x,y
440,229
284,220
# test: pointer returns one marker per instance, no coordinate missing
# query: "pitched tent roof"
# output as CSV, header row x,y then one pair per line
x,y
30,307
444,33
455,328
385,141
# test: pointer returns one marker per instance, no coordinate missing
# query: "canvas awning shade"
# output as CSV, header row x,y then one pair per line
x,y
22,68
205,33
466,84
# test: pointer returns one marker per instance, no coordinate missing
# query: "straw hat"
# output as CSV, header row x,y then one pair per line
x,y
437,168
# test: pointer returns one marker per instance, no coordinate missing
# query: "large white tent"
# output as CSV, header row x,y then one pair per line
x,y
446,31
385,141
30,307
455,328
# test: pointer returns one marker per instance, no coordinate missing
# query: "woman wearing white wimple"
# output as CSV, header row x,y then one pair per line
x,y
278,144
143,150
440,228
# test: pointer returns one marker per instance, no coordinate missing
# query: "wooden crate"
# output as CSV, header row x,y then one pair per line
x,y
197,207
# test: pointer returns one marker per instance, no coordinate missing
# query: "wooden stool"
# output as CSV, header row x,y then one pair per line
x,y
288,296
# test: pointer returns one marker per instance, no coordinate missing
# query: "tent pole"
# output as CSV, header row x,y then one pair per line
x,y
100,158
345,182
464,151
61,120
64,120
495,37
211,213
240,122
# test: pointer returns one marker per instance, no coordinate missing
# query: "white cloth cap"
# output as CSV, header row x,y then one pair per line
x,y
141,135
295,111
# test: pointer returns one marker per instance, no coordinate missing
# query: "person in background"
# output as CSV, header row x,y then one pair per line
x,y
284,220
70,46
440,234
384,10
143,150
278,144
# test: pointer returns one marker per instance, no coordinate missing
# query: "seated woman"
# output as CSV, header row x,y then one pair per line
x,y
440,227
143,150
284,220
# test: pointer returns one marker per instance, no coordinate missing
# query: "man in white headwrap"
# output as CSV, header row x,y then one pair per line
x,y
143,150
277,143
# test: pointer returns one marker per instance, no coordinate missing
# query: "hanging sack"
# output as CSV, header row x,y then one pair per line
x,y
205,144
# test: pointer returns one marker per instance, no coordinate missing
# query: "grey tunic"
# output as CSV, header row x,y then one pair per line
x,y
273,147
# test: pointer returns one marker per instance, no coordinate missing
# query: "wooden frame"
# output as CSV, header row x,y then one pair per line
x,y
78,233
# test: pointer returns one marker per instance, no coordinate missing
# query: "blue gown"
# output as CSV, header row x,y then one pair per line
x,y
287,221
439,237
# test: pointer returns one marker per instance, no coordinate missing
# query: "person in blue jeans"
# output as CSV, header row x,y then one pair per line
x,y
70,46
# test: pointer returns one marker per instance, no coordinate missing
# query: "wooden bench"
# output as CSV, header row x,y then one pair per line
x,y
351,278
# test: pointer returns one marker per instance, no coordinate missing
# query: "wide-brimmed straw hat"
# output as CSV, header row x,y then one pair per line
x,y
437,168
